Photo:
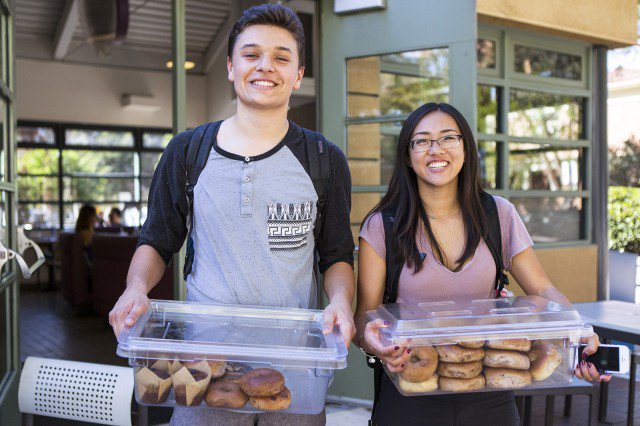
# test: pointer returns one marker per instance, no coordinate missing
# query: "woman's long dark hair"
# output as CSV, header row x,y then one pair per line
x,y
86,217
402,199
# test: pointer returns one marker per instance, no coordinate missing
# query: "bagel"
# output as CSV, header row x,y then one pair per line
x,y
473,345
421,364
506,378
499,358
234,371
262,382
428,385
456,353
450,384
225,395
544,358
218,368
280,401
460,370
510,344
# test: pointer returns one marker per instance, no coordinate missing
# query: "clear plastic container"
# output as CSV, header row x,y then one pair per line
x,y
483,345
175,345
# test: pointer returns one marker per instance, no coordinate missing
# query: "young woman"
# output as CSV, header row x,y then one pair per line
x,y
439,225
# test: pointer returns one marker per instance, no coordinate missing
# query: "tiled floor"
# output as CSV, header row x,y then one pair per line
x,y
50,329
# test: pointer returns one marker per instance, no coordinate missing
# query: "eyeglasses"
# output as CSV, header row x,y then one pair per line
x,y
446,142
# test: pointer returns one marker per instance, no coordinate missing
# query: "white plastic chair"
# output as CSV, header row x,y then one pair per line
x,y
95,393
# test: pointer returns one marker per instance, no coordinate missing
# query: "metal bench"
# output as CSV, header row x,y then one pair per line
x,y
577,387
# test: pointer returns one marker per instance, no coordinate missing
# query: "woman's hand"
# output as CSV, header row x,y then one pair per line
x,y
586,370
394,357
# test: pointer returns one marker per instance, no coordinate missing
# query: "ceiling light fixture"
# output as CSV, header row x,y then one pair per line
x,y
188,65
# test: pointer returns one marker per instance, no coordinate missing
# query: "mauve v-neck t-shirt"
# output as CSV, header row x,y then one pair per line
x,y
434,281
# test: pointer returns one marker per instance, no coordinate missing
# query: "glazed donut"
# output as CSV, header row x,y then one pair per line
x,y
460,370
473,345
428,385
421,365
234,371
506,378
225,395
262,382
499,358
455,353
218,368
545,358
280,401
461,385
510,344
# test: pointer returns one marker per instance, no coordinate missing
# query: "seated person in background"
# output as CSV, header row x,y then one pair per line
x,y
115,217
85,230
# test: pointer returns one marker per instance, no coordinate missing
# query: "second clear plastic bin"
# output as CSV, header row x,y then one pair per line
x,y
181,352
483,345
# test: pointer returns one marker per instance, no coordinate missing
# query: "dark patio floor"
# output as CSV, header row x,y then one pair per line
x,y
50,329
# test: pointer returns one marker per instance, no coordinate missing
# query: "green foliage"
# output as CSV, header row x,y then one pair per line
x,y
624,164
624,219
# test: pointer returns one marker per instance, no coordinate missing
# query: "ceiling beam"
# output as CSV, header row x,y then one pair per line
x,y
219,42
66,28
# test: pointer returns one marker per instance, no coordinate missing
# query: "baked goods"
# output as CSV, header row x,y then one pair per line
x,y
545,358
189,386
421,365
460,370
218,368
461,385
225,395
234,371
153,385
472,345
510,344
262,382
279,401
506,378
505,359
457,353
428,385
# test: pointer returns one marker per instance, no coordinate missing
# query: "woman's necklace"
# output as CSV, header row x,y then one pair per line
x,y
440,216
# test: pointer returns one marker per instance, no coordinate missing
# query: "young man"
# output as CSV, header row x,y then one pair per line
x,y
256,177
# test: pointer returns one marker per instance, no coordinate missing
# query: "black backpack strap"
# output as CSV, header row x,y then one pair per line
x,y
494,240
197,155
319,170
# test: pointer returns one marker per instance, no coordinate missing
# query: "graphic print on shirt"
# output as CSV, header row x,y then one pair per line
x,y
289,225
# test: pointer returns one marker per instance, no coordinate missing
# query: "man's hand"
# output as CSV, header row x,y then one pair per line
x,y
339,313
131,304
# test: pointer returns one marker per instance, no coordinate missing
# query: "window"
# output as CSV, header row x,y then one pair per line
x,y
381,93
61,167
533,133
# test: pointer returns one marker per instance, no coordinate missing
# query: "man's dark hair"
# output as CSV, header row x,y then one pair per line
x,y
269,14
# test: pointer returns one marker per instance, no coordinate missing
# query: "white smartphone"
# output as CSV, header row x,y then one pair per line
x,y
608,358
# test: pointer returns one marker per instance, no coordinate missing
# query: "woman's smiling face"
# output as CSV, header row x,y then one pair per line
x,y
437,167
264,67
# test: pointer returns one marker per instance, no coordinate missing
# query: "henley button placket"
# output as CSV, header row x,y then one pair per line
x,y
246,204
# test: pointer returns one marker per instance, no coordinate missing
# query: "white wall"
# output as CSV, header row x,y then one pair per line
x,y
58,91
623,110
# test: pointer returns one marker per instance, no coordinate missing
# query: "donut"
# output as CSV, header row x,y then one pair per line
x,y
218,368
499,358
545,358
506,378
473,345
262,382
225,395
455,353
450,384
428,385
510,344
234,371
460,370
280,401
421,365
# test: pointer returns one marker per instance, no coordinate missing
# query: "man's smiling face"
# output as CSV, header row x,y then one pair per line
x,y
264,67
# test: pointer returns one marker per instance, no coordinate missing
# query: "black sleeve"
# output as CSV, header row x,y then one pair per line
x,y
165,228
335,242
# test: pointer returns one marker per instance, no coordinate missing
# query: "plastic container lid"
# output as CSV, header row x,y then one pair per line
x,y
189,331
447,322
